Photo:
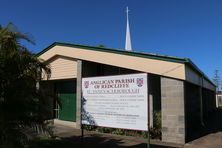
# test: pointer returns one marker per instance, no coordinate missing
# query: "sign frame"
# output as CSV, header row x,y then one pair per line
x,y
147,101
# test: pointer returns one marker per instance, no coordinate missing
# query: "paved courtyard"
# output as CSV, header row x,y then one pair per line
x,y
213,140
95,139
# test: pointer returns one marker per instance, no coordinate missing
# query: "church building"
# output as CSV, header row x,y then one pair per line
x,y
177,87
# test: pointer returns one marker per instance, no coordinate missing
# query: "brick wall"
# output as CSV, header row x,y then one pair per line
x,y
172,110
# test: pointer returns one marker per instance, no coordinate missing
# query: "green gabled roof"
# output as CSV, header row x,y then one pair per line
x,y
132,53
117,51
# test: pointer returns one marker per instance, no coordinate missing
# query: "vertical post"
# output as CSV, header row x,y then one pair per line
x,y
79,94
148,107
82,127
79,101
173,114
201,102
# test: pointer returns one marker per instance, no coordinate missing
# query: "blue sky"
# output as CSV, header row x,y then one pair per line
x,y
182,28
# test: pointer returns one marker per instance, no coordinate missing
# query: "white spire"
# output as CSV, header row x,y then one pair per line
x,y
128,45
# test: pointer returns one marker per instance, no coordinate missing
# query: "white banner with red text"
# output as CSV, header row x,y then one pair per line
x,y
116,101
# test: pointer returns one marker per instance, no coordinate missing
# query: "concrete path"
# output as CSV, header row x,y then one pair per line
x,y
96,139
213,125
209,141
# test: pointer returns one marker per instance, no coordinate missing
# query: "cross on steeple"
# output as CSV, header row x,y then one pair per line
x,y
127,11
128,45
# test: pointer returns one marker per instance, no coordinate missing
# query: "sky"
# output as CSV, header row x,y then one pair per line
x,y
182,28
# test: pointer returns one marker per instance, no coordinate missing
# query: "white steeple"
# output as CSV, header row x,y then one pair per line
x,y
128,45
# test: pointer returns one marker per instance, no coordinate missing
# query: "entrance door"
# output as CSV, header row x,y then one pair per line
x,y
66,91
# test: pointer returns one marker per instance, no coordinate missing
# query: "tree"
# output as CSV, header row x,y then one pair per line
x,y
101,45
217,80
22,106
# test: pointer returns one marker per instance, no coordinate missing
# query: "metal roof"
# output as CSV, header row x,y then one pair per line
x,y
186,61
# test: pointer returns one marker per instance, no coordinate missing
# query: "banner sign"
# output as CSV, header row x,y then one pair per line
x,y
116,101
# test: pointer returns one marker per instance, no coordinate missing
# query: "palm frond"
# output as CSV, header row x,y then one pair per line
x,y
22,106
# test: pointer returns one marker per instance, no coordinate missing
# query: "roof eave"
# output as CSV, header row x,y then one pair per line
x,y
194,67
130,53
102,49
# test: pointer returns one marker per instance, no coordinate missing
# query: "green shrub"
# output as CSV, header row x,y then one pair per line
x,y
157,119
105,129
119,132
89,127
155,131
